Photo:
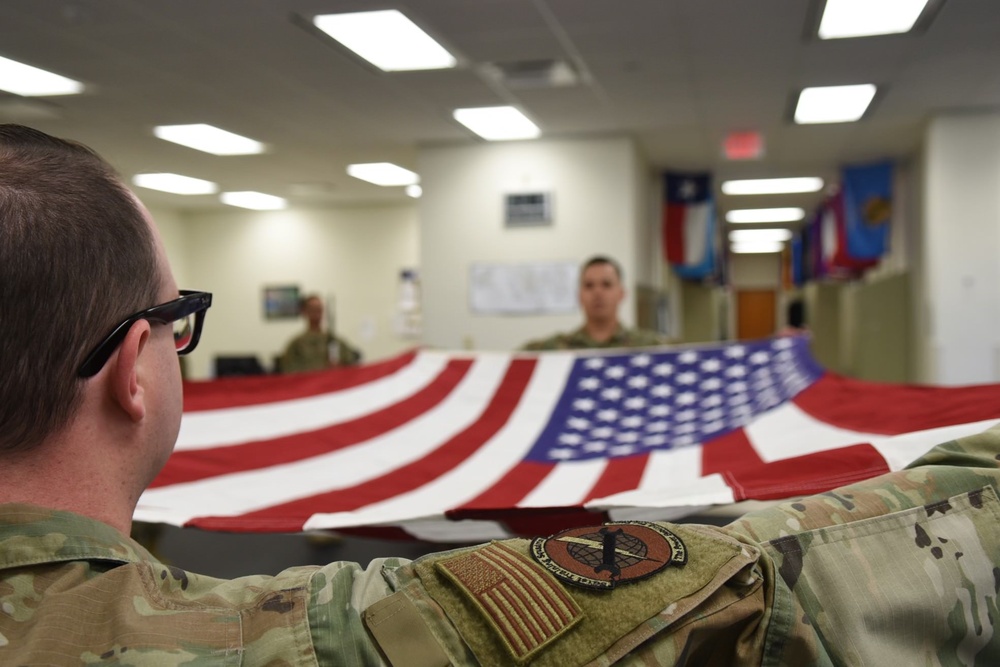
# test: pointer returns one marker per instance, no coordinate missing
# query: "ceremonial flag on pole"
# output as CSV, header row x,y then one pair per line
x,y
689,225
462,447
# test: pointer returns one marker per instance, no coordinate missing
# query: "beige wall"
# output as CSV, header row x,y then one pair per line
x,y
881,335
704,312
596,208
353,255
960,292
173,232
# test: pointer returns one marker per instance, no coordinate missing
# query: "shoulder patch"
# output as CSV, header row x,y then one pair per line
x,y
603,557
526,607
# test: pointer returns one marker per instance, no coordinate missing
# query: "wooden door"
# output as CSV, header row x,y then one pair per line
x,y
756,313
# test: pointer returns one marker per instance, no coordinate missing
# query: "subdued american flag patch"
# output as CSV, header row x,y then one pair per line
x,y
524,605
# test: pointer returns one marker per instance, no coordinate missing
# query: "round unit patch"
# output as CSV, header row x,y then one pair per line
x,y
605,556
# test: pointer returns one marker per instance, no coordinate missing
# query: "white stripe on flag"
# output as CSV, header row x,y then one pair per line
x,y
232,426
787,432
901,450
478,472
709,490
671,468
466,531
239,493
696,233
567,485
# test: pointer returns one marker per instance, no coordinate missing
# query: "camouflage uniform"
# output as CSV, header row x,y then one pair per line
x,y
903,569
311,351
579,340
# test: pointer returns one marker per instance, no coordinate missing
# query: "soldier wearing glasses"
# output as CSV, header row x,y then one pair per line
x,y
901,569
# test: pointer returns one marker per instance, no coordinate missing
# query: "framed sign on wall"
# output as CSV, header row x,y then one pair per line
x,y
528,209
281,302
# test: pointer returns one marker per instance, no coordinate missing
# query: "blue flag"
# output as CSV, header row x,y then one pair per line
x,y
867,192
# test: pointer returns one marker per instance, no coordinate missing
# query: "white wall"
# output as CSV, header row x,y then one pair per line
x,y
755,270
352,254
961,248
173,231
597,210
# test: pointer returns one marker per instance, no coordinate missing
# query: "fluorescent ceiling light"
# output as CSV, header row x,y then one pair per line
x,y
414,191
383,173
497,123
771,186
863,18
257,201
834,104
29,81
765,215
175,183
386,39
755,247
763,235
208,138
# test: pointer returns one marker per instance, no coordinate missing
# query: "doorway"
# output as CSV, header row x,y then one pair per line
x,y
756,313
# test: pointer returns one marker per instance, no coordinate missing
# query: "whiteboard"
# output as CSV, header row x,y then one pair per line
x,y
523,289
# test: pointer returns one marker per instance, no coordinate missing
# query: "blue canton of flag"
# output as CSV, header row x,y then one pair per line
x,y
626,404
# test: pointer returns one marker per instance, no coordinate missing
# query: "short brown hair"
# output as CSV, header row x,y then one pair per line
x,y
76,257
602,259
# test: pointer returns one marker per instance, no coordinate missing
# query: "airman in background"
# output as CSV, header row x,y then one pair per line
x,y
600,294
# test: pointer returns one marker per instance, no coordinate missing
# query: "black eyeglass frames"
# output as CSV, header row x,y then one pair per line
x,y
187,314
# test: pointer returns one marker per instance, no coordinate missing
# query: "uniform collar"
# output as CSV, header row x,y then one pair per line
x,y
616,337
30,535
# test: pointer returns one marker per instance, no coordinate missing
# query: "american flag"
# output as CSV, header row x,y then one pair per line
x,y
464,447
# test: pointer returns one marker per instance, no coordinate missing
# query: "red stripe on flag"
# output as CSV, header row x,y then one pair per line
x,y
256,390
191,465
620,474
510,489
891,409
674,216
731,451
449,455
804,475
542,521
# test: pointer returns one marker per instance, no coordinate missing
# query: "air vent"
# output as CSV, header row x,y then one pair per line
x,y
534,73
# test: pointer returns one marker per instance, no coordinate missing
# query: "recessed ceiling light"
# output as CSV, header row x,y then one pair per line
x,y
497,123
864,18
383,173
414,191
175,183
751,215
771,186
761,235
209,139
29,81
834,104
756,247
257,201
386,39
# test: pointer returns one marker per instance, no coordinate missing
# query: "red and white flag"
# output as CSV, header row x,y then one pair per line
x,y
467,447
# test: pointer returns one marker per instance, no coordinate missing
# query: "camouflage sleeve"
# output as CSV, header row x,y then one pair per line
x,y
900,569
339,592
347,354
496,606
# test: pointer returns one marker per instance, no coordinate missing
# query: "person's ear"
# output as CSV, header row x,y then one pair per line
x,y
127,388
